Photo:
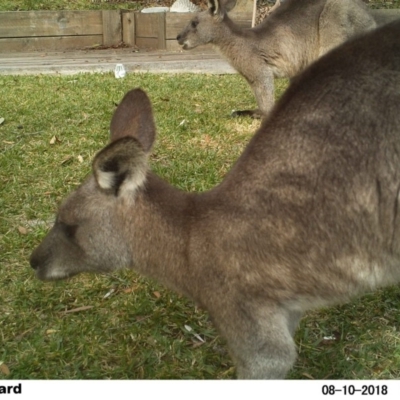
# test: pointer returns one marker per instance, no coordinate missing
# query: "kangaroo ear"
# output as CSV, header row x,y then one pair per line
x,y
121,167
134,117
218,7
214,7
228,5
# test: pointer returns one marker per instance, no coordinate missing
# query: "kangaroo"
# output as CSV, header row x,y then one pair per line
x,y
308,216
293,36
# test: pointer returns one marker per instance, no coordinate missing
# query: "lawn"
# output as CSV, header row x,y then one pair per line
x,y
124,326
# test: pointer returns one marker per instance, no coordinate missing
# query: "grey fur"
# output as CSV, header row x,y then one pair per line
x,y
294,35
307,217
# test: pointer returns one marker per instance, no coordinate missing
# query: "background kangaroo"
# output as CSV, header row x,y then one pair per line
x,y
308,216
293,36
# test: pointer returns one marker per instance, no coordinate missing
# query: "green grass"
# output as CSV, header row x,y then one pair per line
x,y
53,126
384,3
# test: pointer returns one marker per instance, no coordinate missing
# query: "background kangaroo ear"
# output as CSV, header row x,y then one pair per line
x,y
228,5
218,7
121,166
134,117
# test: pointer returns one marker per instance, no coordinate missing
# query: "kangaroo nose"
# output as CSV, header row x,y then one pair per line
x,y
178,38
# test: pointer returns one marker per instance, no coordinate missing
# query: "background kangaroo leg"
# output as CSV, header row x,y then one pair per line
x,y
264,92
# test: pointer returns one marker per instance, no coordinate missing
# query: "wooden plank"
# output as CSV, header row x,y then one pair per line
x,y
128,28
242,7
150,30
50,23
147,43
172,45
243,23
161,31
176,22
58,43
112,28
146,25
238,15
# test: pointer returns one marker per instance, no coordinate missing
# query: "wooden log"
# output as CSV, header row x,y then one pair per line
x,y
112,28
50,23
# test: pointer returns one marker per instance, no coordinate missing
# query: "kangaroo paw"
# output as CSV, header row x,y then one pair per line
x,y
256,114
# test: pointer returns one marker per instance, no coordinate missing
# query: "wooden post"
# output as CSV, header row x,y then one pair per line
x,y
112,32
128,28
243,9
162,42
150,30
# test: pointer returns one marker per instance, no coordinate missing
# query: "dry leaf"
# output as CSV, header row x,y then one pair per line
x,y
21,335
308,375
66,160
1,120
157,294
130,289
54,140
4,369
80,159
22,230
83,308
109,293
198,337
50,331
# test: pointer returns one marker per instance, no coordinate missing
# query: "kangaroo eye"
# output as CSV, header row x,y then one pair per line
x,y
69,230
194,24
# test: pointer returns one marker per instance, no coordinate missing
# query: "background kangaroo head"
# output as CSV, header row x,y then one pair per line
x,y
204,27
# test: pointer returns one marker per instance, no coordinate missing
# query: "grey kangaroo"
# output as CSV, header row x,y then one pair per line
x,y
308,216
294,35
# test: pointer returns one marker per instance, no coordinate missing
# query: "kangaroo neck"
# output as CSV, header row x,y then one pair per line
x,y
234,44
161,232
228,35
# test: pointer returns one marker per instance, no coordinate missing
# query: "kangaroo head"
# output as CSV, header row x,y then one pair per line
x,y
88,234
204,27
